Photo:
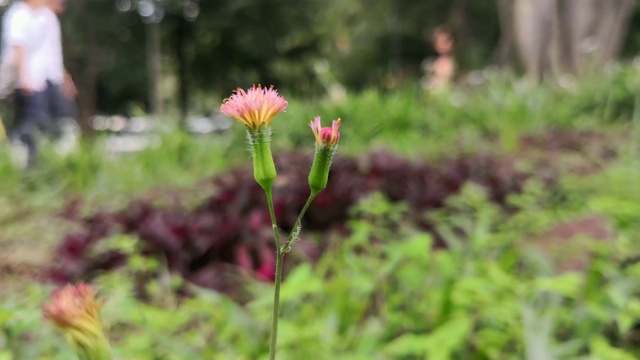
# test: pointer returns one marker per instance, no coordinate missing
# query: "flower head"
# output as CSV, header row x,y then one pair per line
x,y
254,107
75,310
328,136
71,306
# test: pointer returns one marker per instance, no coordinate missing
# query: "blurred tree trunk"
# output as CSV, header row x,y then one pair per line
x,y
533,21
458,20
183,57
154,68
87,82
555,37
394,28
505,53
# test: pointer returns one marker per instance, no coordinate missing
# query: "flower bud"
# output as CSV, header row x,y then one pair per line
x,y
326,145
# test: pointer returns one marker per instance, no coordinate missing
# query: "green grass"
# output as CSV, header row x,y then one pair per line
x,y
490,116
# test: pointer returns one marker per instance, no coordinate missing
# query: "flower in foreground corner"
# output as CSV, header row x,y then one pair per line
x,y
75,310
326,144
255,107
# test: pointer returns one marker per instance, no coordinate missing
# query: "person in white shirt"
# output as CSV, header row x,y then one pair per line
x,y
61,90
24,37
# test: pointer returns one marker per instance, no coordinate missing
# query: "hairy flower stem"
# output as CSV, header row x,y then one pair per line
x,y
295,233
276,294
281,251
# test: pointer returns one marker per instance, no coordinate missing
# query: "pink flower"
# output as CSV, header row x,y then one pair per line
x,y
328,136
75,310
254,107
73,305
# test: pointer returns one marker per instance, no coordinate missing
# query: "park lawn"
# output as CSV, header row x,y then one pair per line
x,y
495,293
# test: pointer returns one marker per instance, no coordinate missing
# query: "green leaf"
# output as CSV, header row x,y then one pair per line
x,y
5,315
300,282
438,345
602,350
568,284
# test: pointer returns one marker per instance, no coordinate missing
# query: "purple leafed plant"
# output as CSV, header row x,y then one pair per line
x,y
227,237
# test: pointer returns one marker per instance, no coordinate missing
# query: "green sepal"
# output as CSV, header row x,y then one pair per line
x,y
264,169
319,174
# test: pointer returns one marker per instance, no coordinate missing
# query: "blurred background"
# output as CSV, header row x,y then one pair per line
x,y
155,56
483,204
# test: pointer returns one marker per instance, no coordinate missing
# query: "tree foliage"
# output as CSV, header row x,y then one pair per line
x,y
303,48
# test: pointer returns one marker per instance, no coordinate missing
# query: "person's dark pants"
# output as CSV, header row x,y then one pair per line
x,y
30,116
39,111
59,106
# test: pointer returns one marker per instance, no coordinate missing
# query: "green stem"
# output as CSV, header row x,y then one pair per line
x,y
281,251
295,233
98,349
276,294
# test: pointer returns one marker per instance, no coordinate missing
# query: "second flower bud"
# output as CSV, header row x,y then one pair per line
x,y
326,144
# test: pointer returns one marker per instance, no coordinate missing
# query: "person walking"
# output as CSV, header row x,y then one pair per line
x,y
61,90
58,78
24,37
